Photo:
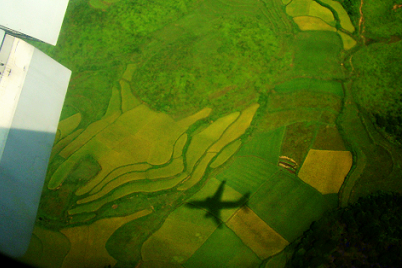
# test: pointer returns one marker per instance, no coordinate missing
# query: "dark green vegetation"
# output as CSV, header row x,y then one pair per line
x,y
377,84
382,19
376,66
365,234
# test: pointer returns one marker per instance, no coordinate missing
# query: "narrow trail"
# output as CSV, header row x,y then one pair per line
x,y
361,23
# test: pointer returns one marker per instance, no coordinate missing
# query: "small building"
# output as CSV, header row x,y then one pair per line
x,y
32,92
39,19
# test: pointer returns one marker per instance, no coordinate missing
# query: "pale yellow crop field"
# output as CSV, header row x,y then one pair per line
x,y
179,146
345,21
236,129
307,23
226,153
198,173
201,141
317,10
68,125
326,170
256,234
348,42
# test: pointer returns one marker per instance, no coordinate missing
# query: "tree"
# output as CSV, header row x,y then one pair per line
x,y
365,234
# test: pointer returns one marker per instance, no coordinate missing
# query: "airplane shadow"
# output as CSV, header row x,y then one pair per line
x,y
214,205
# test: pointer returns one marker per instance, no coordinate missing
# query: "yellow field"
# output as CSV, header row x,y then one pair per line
x,y
179,145
88,242
201,141
136,148
343,15
317,10
236,129
298,8
163,133
92,148
226,153
84,138
348,42
136,118
174,168
326,170
198,173
47,248
113,135
188,121
183,232
117,173
128,100
285,2
69,124
64,142
256,234
135,176
307,23
128,74
143,185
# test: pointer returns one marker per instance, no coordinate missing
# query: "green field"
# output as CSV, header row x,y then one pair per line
x,y
232,252
276,111
284,196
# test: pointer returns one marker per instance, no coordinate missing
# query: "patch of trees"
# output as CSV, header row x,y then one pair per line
x,y
365,234
377,85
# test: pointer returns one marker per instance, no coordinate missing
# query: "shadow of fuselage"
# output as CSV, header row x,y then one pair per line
x,y
214,205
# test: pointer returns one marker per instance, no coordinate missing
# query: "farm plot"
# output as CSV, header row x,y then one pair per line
x,y
88,242
265,145
256,234
317,55
226,153
298,8
232,252
317,10
329,138
229,194
47,248
287,204
326,170
304,99
247,174
68,125
183,233
297,141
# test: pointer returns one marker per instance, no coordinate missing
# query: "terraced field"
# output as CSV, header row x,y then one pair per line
x,y
244,103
